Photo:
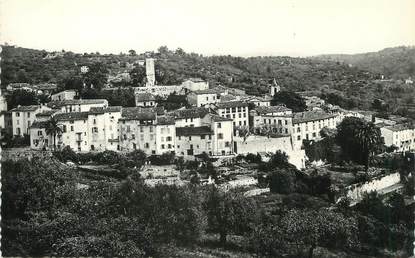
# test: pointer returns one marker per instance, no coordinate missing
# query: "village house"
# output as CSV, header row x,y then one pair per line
x,y
202,98
77,105
191,117
212,135
95,130
235,110
260,101
307,125
64,95
401,136
279,117
23,117
145,100
145,130
195,84
75,131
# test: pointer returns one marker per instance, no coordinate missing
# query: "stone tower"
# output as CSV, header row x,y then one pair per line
x,y
151,76
274,88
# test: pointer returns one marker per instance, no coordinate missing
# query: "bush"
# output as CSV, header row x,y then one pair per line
x,y
66,154
164,159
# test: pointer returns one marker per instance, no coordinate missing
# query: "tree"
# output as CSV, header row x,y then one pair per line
x,y
358,140
136,158
318,228
21,97
290,100
369,138
138,76
282,181
53,129
132,52
229,212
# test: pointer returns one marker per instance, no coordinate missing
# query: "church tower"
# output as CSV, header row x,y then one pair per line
x,y
274,88
151,76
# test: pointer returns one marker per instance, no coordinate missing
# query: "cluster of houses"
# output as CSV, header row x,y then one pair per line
x,y
222,122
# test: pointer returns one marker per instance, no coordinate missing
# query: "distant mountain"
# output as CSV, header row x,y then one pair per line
x,y
396,62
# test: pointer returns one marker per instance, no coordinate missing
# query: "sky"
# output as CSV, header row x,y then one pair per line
x,y
209,27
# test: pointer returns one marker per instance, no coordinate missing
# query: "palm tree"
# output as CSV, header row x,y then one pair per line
x,y
369,138
53,129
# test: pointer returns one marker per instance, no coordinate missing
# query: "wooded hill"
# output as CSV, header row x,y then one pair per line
x,y
339,83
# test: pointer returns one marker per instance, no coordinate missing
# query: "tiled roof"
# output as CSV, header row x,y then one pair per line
x,y
271,109
217,118
207,91
137,113
47,112
71,116
190,113
231,104
165,120
186,131
195,80
400,127
39,124
140,97
46,86
309,116
18,85
60,103
25,108
228,97
102,110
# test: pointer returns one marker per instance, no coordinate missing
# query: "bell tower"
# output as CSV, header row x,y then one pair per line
x,y
151,76
274,88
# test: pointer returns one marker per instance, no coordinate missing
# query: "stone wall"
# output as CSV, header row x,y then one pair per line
x,y
21,153
356,191
255,144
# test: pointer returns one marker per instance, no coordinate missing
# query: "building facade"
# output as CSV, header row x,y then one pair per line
x,y
401,136
202,98
64,95
23,117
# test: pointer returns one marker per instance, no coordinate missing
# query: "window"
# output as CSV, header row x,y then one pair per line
x,y
240,115
286,130
168,146
71,128
265,121
146,145
233,115
286,122
39,133
233,110
125,137
28,114
128,128
190,138
298,138
168,138
17,114
207,98
18,131
220,136
64,129
314,134
151,129
210,137
219,125
227,144
240,123
202,137
133,136
95,121
134,146
279,122
244,122
162,146
244,114
18,122
162,130
162,139
141,129
180,138
178,146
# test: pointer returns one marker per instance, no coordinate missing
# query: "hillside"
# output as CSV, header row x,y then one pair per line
x,y
350,87
397,62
